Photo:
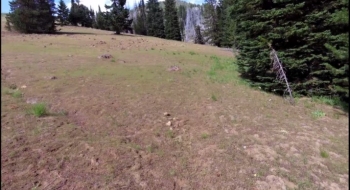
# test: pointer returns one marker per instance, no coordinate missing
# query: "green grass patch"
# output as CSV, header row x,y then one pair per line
x,y
17,94
324,154
204,135
213,97
135,146
39,110
192,53
332,101
13,92
318,114
224,70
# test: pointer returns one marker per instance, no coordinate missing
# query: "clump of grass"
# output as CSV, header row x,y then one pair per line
x,y
192,53
39,110
213,97
17,94
152,48
324,154
318,114
205,135
113,60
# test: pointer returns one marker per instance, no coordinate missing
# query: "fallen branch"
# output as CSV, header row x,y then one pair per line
x,y
281,75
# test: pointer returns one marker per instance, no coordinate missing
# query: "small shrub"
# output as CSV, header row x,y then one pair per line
x,y
39,110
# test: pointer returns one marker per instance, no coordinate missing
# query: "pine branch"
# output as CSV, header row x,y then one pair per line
x,y
281,75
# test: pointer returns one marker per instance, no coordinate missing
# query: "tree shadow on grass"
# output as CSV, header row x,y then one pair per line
x,y
73,33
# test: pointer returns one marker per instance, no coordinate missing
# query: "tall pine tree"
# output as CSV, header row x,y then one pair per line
x,y
62,13
73,14
139,24
182,20
155,21
171,26
199,38
211,22
227,24
100,21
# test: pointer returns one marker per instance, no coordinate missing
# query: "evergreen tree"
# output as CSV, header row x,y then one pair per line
x,y
199,38
62,13
338,46
84,16
139,24
227,24
310,37
120,15
211,22
93,18
100,22
31,16
171,26
73,14
155,21
182,20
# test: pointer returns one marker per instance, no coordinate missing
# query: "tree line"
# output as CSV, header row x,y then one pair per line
x,y
42,16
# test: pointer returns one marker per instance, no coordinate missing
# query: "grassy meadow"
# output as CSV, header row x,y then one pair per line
x,y
73,120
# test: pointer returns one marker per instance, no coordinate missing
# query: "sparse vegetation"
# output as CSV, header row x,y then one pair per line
x,y
192,53
170,134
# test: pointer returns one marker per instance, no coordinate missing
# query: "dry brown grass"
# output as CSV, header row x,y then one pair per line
x,y
113,133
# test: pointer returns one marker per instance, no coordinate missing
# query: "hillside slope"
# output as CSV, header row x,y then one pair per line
x,y
105,126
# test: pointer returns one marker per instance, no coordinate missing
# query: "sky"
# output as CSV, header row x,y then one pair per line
x,y
5,8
